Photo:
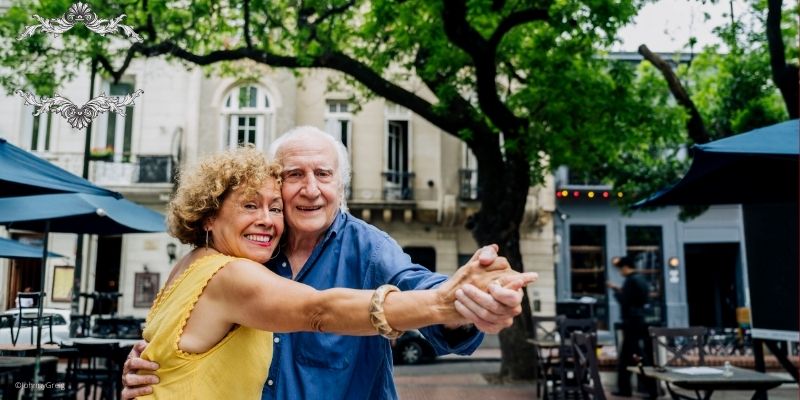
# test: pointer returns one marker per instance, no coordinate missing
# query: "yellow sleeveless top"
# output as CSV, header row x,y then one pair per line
x,y
235,368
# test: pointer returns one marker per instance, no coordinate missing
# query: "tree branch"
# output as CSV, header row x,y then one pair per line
x,y
248,40
484,142
784,76
695,125
483,55
516,19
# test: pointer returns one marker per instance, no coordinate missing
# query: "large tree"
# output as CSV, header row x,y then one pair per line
x,y
523,83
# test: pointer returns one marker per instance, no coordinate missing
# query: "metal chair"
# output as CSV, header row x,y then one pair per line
x,y
567,386
587,374
94,367
29,314
545,340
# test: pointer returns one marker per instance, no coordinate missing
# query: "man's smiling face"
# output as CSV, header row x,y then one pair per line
x,y
311,185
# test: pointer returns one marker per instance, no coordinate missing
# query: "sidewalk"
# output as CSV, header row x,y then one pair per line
x,y
465,378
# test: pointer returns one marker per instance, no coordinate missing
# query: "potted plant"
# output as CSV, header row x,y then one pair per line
x,y
102,153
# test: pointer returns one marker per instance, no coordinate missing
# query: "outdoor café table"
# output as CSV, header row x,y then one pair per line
x,y
742,379
93,340
23,350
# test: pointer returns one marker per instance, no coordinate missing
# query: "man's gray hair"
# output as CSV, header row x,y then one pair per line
x,y
342,158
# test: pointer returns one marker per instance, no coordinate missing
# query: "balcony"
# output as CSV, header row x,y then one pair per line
x,y
468,188
399,186
143,174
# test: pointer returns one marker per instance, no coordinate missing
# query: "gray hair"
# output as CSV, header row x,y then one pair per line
x,y
342,158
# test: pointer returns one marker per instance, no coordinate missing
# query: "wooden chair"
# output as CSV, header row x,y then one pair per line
x,y
587,374
678,347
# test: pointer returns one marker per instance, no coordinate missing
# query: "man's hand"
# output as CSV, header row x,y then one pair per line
x,y
493,311
135,385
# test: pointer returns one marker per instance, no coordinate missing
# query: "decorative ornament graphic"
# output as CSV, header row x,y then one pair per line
x,y
80,12
80,117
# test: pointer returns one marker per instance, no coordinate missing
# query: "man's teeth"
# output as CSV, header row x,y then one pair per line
x,y
309,208
259,238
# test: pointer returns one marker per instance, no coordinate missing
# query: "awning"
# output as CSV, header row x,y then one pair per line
x,y
760,166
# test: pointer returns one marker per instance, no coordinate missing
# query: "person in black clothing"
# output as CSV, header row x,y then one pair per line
x,y
632,297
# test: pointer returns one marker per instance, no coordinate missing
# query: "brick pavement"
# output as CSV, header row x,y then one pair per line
x,y
418,383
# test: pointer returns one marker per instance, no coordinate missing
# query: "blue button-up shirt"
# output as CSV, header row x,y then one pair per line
x,y
306,365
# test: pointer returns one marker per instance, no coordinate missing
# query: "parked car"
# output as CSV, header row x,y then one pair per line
x,y
412,348
9,326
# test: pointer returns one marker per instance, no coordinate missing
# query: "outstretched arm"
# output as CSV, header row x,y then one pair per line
x,y
255,297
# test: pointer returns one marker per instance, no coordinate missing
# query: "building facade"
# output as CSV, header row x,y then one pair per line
x,y
696,269
409,178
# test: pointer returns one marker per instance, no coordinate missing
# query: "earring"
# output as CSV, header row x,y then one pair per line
x,y
276,254
207,239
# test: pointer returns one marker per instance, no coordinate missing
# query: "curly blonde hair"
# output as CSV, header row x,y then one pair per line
x,y
203,187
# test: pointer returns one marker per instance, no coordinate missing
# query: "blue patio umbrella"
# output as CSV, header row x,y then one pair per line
x,y
13,249
22,173
78,213
760,166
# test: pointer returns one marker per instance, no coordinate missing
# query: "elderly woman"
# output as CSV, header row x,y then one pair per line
x,y
210,326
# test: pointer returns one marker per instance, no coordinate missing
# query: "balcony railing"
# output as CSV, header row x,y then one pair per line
x,y
398,186
468,189
143,169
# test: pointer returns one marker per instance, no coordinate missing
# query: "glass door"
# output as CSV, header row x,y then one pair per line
x,y
645,245
587,248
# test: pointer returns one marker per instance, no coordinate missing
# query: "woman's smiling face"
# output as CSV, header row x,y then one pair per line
x,y
248,226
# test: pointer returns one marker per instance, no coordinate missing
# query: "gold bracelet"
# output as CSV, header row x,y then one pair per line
x,y
376,314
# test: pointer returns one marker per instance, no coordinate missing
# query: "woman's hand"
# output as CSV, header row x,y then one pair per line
x,y
486,294
133,384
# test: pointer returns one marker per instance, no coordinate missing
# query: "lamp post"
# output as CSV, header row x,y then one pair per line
x,y
76,283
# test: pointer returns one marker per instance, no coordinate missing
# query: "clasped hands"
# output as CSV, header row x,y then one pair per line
x,y
486,291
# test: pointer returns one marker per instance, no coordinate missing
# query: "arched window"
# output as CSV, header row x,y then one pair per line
x,y
247,117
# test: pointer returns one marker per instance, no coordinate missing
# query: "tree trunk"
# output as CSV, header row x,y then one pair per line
x,y
783,75
505,190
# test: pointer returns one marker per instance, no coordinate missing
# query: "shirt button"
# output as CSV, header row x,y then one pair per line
x,y
269,382
276,340
283,264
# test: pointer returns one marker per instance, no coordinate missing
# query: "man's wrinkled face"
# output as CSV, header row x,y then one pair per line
x,y
311,184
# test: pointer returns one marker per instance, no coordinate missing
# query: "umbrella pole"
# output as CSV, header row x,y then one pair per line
x,y
37,364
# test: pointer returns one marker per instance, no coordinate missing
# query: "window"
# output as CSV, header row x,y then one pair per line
x,y
115,131
468,175
645,244
398,184
36,134
587,249
247,117
425,256
338,122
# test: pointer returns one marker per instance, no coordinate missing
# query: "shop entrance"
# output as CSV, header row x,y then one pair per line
x,y
711,284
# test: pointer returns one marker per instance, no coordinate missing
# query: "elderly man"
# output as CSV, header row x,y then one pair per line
x,y
326,247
